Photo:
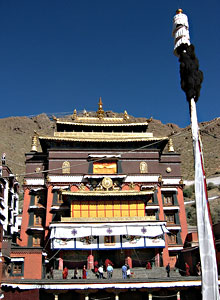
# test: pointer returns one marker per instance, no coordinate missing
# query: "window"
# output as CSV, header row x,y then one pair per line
x,y
105,167
109,240
172,239
170,218
17,266
59,198
168,199
36,241
37,220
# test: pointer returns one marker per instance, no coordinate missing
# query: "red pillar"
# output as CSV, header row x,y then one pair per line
x,y
25,219
166,256
49,204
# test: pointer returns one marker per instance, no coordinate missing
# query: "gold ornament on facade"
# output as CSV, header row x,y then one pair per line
x,y
82,187
107,183
115,187
181,181
170,145
37,170
143,167
25,182
132,186
54,118
100,111
160,178
48,178
168,170
66,167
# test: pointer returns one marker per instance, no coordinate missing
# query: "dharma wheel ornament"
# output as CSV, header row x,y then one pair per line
x,y
107,183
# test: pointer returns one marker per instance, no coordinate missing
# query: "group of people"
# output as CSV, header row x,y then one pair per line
x,y
75,274
186,272
100,268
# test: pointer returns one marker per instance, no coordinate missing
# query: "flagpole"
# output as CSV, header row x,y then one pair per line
x,y
191,79
207,251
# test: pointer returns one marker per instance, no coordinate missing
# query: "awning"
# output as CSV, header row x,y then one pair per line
x,y
82,230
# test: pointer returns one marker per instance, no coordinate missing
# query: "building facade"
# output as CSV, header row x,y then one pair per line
x,y
102,187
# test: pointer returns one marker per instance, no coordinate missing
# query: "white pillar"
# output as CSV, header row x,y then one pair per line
x,y
150,297
178,296
86,297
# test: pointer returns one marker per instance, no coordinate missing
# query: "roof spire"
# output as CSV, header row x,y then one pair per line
x,y
100,111
170,145
34,142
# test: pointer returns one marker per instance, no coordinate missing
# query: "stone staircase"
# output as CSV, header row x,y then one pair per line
x,y
137,273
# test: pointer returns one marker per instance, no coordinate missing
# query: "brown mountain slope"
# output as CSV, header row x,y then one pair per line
x,y
16,134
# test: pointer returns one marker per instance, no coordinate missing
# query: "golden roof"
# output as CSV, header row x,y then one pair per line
x,y
103,137
107,193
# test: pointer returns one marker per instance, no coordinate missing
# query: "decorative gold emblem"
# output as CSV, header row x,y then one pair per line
x,y
107,183
168,170
66,167
82,187
37,170
143,167
132,186
160,178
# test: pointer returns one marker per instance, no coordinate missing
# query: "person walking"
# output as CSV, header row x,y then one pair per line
x,y
109,271
108,262
168,270
84,272
101,271
187,269
65,273
75,276
124,271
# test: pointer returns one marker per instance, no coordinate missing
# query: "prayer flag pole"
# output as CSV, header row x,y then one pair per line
x,y
191,79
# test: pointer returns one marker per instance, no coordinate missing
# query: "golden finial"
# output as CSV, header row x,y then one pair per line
x,y
48,178
149,120
160,178
100,111
170,145
34,142
179,11
126,117
74,115
181,181
54,118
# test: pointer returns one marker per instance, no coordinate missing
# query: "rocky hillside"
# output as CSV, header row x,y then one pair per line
x,y
16,134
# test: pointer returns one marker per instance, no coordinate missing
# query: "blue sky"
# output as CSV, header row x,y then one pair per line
x,y
59,55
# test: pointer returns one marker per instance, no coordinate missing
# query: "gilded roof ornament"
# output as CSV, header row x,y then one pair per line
x,y
74,115
34,142
100,111
54,118
126,117
170,145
